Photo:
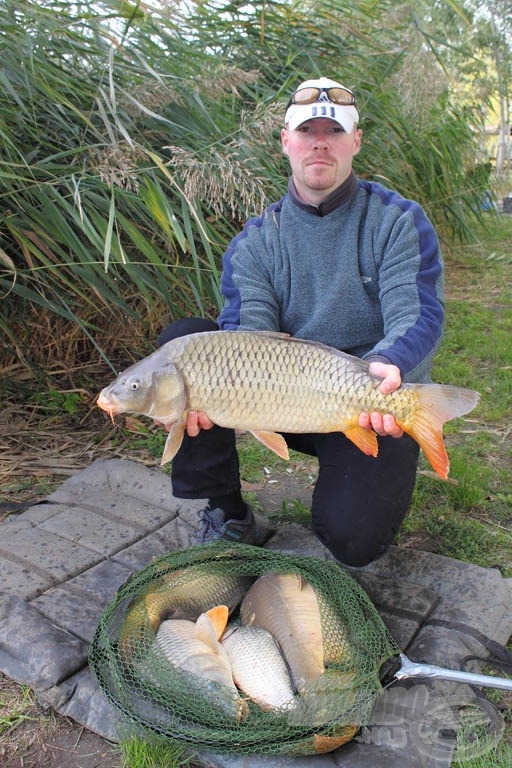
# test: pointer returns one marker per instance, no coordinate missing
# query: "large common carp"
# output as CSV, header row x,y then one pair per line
x,y
269,383
258,667
304,627
194,648
181,594
287,606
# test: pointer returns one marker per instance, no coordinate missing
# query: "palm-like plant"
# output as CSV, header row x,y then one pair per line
x,y
136,139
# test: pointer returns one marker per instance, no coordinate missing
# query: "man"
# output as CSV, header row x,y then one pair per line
x,y
348,263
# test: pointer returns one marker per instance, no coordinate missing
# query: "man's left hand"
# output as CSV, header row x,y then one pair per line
x,y
383,424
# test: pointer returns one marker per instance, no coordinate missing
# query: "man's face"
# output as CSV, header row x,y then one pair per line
x,y
320,154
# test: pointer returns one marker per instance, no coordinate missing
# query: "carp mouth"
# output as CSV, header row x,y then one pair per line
x,y
104,403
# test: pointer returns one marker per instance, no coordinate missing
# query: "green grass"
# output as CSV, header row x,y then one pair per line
x,y
255,459
139,752
499,757
470,517
15,710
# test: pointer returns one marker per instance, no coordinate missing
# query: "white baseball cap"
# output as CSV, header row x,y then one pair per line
x,y
322,98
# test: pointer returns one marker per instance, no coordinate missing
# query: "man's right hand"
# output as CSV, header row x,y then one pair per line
x,y
196,421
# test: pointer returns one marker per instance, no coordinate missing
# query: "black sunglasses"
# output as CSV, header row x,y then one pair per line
x,y
336,95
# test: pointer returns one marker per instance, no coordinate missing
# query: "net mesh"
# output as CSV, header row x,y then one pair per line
x,y
164,698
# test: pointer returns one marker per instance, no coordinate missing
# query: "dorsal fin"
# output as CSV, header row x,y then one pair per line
x,y
211,625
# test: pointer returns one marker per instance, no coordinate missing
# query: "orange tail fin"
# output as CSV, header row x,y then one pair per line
x,y
438,403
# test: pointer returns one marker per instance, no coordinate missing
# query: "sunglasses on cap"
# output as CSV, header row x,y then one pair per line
x,y
335,94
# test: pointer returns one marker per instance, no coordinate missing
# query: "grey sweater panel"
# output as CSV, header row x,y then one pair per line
x,y
366,278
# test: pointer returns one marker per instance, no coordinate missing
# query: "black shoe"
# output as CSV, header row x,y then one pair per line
x,y
215,526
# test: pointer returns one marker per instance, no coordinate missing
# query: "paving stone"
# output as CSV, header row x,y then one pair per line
x,y
91,530
17,579
175,535
50,556
33,650
78,604
140,514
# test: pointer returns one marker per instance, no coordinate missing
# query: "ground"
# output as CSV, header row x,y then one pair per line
x,y
39,739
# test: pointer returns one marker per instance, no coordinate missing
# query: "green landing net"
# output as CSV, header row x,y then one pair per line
x,y
163,699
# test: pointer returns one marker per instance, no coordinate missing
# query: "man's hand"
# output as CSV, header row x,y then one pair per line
x,y
383,424
196,421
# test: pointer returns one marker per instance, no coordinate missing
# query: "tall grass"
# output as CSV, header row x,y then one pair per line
x,y
135,138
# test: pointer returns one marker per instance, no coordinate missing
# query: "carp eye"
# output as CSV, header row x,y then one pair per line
x,y
133,384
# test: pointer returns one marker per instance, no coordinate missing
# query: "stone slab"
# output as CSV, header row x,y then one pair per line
x,y
116,506
34,650
78,604
96,532
51,557
121,476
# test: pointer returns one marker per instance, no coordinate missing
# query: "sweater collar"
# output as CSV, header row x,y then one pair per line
x,y
334,200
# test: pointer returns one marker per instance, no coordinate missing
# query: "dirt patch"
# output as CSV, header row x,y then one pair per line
x,y
288,485
40,739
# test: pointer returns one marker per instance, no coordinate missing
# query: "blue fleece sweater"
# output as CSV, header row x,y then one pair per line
x,y
363,274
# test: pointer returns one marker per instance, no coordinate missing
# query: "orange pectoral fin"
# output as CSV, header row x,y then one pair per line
x,y
365,439
273,441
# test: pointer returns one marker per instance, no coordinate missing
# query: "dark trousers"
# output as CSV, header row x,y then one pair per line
x,y
359,501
